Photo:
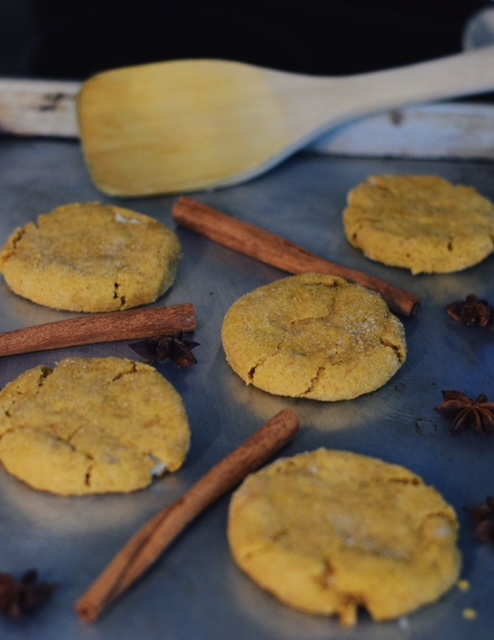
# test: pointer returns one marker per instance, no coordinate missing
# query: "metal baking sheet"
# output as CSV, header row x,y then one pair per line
x,y
195,591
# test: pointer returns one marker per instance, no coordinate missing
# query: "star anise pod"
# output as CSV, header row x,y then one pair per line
x,y
482,515
176,347
472,312
466,413
18,597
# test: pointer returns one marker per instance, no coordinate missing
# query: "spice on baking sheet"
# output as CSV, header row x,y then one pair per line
x,y
466,413
473,312
18,597
154,538
482,516
176,347
112,326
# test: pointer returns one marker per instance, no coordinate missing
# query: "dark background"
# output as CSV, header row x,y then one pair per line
x,y
72,40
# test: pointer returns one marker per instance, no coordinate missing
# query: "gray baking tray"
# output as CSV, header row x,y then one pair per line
x,y
195,591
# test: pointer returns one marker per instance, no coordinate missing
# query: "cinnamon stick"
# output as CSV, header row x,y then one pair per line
x,y
104,327
155,537
278,252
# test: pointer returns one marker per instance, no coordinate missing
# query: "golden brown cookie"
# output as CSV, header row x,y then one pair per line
x,y
329,532
313,336
91,257
90,426
421,223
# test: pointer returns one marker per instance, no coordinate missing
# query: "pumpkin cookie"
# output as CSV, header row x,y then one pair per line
x,y
90,426
421,223
91,257
313,336
328,532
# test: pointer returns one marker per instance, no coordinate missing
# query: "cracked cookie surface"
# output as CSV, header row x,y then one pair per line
x,y
313,336
421,223
329,532
91,257
92,425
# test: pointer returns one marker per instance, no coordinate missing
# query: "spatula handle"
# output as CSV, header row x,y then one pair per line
x,y
453,76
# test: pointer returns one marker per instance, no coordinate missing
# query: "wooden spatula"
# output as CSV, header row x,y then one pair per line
x,y
186,125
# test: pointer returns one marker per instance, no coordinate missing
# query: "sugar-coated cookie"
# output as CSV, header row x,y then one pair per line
x,y
421,223
91,257
329,532
313,336
92,425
